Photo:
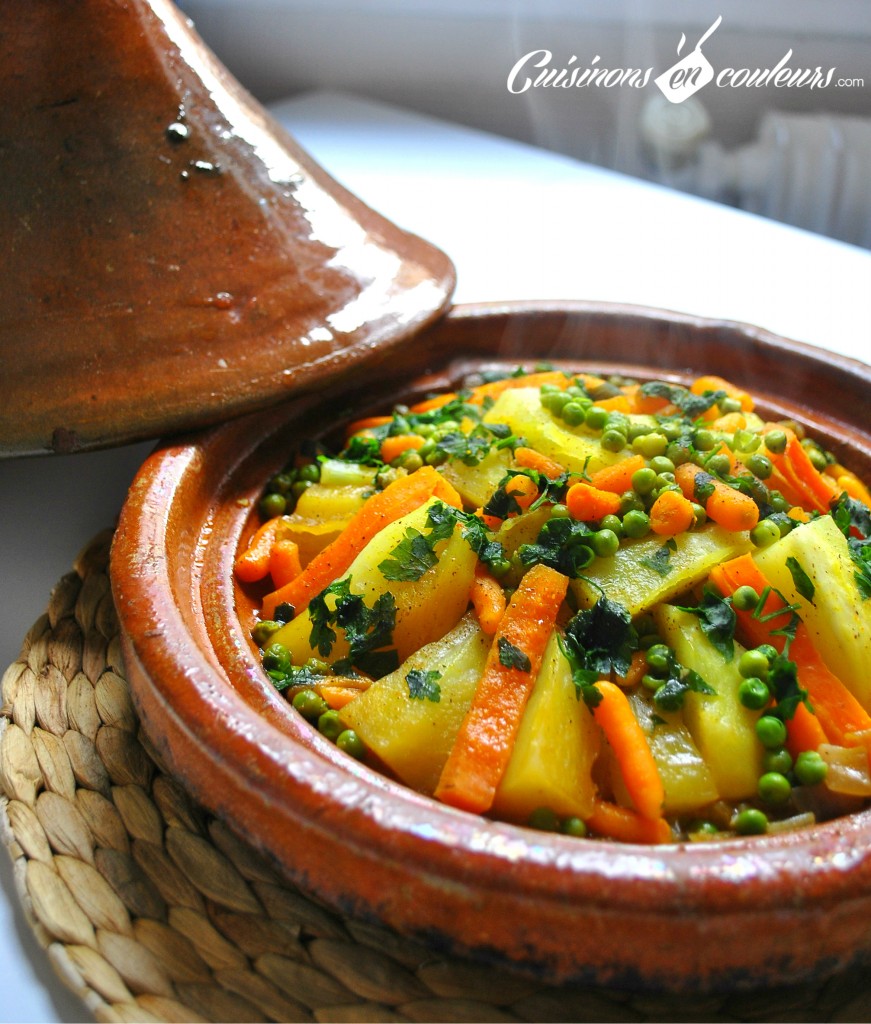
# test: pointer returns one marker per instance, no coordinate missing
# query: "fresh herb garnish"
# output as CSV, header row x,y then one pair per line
x,y
410,559
423,685
364,450
717,620
512,657
692,406
804,585
659,561
563,544
603,637
469,449
783,682
366,629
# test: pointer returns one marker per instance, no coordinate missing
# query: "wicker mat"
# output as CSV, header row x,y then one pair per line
x,y
150,909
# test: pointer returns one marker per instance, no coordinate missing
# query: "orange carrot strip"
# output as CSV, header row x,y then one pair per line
x,y
393,447
713,383
637,668
253,564
430,404
488,599
627,826
615,717
445,491
671,514
800,481
367,423
530,380
744,572
522,489
727,507
845,480
338,696
284,563
529,458
641,403
588,503
620,403
617,478
486,737
803,731
396,500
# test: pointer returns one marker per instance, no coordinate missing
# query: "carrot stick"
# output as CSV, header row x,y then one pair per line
x,y
727,507
367,423
620,403
338,696
253,564
803,731
644,404
529,458
799,480
615,717
284,563
671,514
393,447
396,500
588,503
431,404
627,826
488,599
484,743
617,478
637,668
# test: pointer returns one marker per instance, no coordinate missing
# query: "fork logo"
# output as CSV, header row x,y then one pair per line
x,y
691,72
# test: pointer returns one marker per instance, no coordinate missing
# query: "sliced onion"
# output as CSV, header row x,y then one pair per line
x,y
848,770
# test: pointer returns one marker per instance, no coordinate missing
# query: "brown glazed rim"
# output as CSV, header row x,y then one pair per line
x,y
739,913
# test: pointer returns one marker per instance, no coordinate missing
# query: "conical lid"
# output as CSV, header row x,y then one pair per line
x,y
173,257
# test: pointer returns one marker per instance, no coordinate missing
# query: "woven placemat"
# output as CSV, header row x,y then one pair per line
x,y
152,910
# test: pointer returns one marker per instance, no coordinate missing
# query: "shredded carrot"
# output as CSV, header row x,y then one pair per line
x,y
529,458
396,500
488,599
618,403
615,717
727,507
367,423
637,668
589,504
253,564
627,826
671,514
618,477
803,731
522,489
431,404
284,562
710,382
484,743
393,447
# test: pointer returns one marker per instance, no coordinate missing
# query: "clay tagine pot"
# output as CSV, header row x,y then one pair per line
x,y
735,914
173,257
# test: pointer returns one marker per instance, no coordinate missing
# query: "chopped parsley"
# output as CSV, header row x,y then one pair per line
x,y
410,559
659,561
563,544
423,685
598,641
692,406
512,657
717,620
804,585
367,630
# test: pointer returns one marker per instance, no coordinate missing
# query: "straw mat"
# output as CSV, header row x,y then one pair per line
x,y
152,910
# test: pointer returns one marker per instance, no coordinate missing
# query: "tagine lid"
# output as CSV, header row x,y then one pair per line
x,y
176,259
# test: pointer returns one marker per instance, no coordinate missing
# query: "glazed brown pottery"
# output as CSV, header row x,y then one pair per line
x,y
739,913
173,257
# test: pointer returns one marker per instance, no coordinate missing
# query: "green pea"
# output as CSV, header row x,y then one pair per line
x,y
660,464
318,667
410,460
574,413
649,640
629,501
771,731
815,454
750,822
349,742
672,429
636,523
703,828
605,543
727,405
775,441
272,505
753,663
769,650
544,819
659,657
759,465
300,486
386,475
613,440
651,682
437,457
777,760
309,704
500,567
679,452
264,629
764,534
612,523
754,693
745,599
651,445
559,511
330,725
635,431
573,827
774,788
643,481
705,440
281,483
700,516
276,658
778,502
810,769
718,464
310,471
596,417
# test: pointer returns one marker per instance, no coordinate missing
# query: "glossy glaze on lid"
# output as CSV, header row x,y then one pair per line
x,y
736,914
172,256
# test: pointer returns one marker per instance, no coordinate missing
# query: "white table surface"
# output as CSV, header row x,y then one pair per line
x,y
519,223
